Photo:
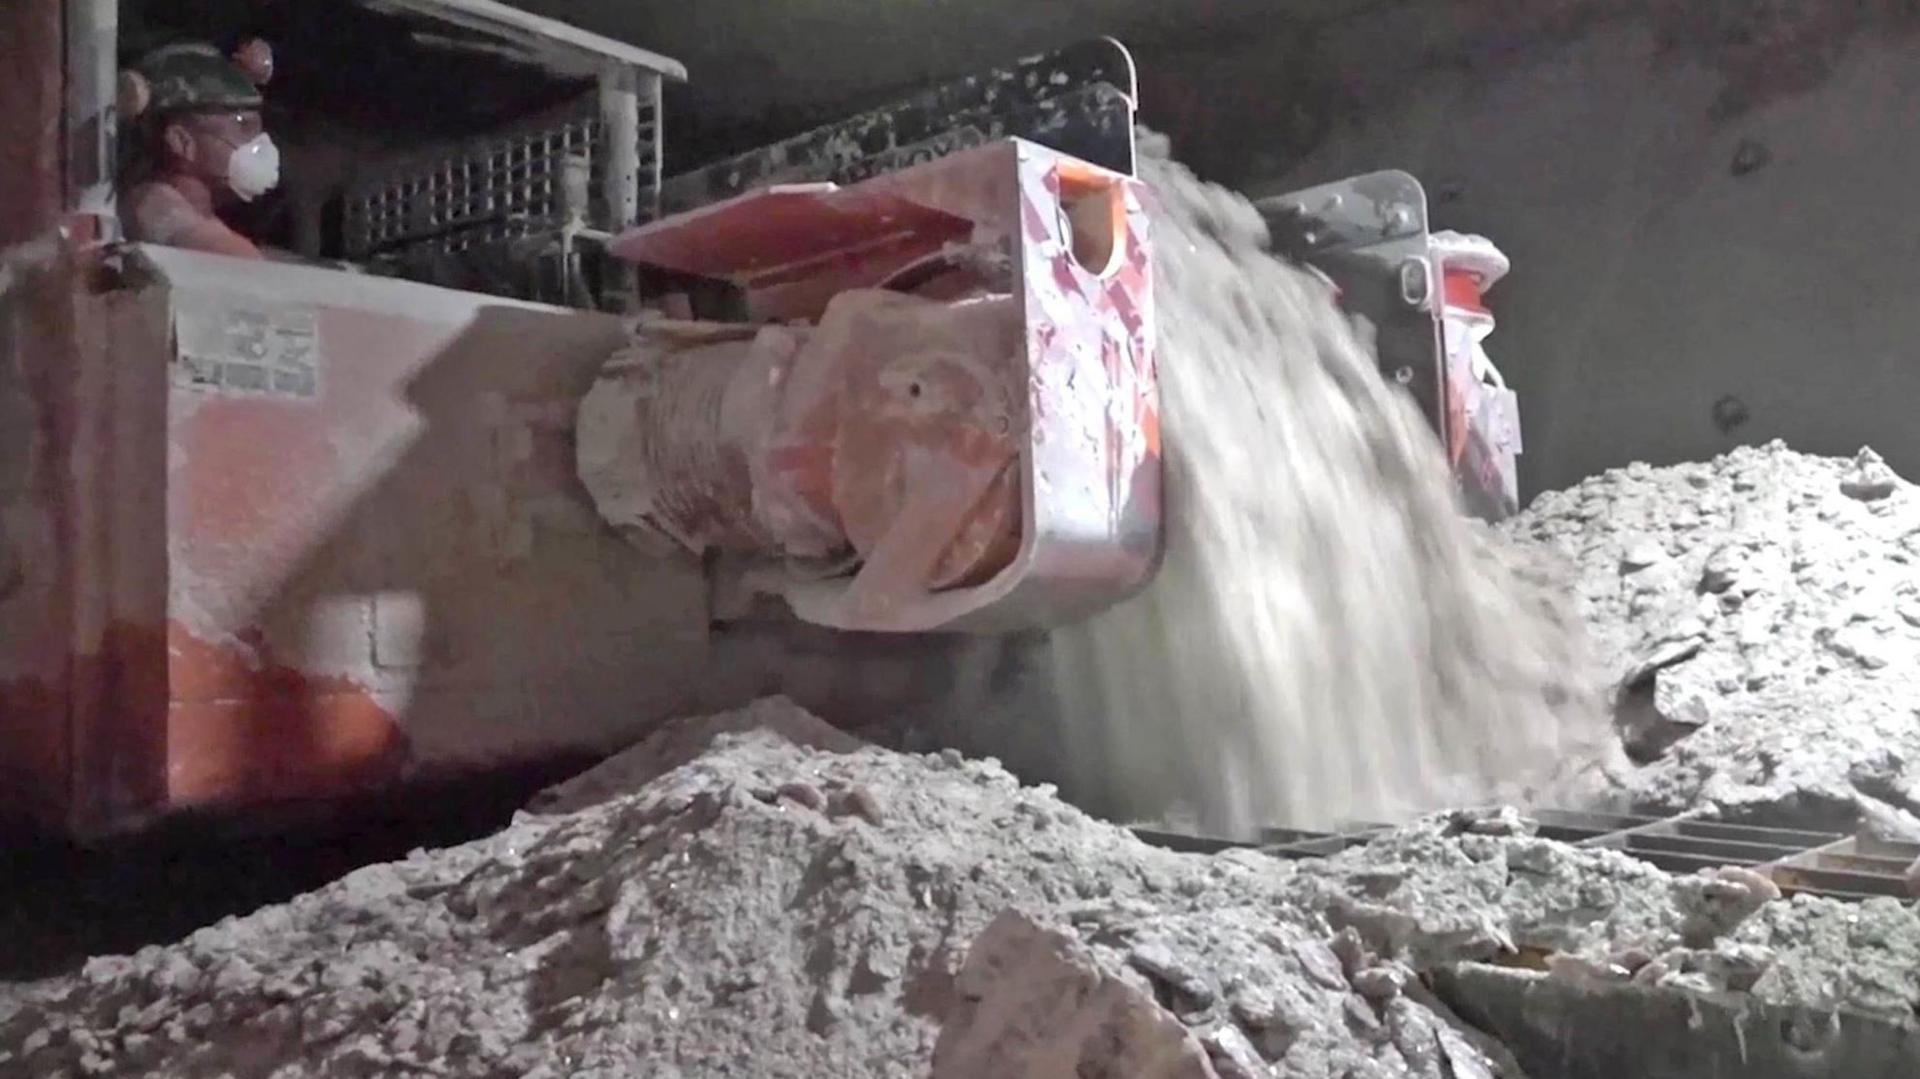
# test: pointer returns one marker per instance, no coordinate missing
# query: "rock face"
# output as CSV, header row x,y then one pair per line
x,y
1760,617
1033,1004
770,909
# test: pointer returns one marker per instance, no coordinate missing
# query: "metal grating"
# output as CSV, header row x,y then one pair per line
x,y
1808,862
495,190
1681,845
1850,868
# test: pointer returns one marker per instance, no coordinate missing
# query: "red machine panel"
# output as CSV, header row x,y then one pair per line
x,y
292,533
991,456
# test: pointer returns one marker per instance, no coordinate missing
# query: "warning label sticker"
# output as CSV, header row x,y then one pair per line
x,y
247,347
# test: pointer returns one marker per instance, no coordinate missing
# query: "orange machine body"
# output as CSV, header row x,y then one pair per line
x,y
273,533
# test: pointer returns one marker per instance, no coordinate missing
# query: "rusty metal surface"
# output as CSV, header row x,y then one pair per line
x,y
1091,472
990,459
1369,233
32,189
37,377
822,442
1798,860
80,666
785,233
665,440
1853,867
313,533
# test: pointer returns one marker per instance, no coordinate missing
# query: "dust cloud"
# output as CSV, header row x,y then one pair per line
x,y
1329,640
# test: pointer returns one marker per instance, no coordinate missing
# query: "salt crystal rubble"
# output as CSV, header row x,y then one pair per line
x,y
711,922
1760,613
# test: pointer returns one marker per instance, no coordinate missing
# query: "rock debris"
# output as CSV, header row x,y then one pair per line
x,y
705,922
1759,619
1327,639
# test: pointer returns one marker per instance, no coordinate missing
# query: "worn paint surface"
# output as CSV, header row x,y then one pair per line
x,y
244,727
987,451
1089,414
36,332
249,591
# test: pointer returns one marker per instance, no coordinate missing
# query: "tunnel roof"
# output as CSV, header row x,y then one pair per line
x,y
500,29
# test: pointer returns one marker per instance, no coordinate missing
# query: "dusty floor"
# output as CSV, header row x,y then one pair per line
x,y
765,908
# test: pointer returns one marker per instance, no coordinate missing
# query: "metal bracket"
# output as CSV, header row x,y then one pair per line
x,y
1369,234
1357,214
1078,101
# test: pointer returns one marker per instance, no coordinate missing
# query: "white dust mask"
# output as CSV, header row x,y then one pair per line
x,y
254,168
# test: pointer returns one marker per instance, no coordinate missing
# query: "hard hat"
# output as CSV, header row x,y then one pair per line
x,y
191,78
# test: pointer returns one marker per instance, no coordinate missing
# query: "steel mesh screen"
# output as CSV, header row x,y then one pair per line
x,y
495,189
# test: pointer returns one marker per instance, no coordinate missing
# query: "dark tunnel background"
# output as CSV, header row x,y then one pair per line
x,y
1249,90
